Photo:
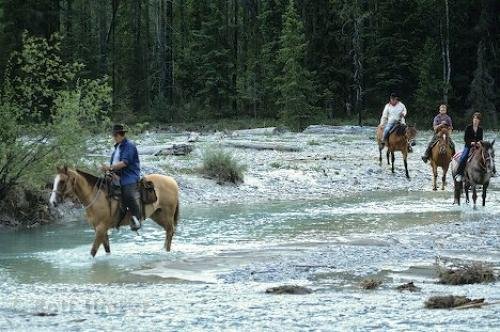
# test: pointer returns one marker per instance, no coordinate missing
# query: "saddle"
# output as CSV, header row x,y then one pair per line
x,y
399,129
147,194
147,191
458,155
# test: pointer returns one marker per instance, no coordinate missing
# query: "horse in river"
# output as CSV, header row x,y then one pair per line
x,y
400,139
441,156
102,211
478,172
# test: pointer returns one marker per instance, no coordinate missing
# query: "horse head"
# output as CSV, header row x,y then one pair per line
x,y
489,156
444,140
64,186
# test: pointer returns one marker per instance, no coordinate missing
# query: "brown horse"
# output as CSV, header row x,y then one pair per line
x,y
102,212
478,172
399,140
441,156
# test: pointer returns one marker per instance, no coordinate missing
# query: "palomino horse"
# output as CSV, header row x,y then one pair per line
x,y
478,172
441,156
399,140
103,212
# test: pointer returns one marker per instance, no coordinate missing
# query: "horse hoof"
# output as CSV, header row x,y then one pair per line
x,y
434,189
93,253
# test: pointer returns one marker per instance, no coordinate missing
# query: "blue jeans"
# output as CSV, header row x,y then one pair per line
x,y
387,130
463,160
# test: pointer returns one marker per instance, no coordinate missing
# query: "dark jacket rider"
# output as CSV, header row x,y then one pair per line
x,y
126,169
473,135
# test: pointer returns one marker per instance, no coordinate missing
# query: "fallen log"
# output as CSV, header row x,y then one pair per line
x,y
175,150
325,129
450,301
289,289
260,131
264,146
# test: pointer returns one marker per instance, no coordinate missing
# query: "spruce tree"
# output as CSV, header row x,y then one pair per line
x,y
482,94
294,85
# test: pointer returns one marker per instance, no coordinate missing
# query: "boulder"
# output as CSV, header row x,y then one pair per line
x,y
193,137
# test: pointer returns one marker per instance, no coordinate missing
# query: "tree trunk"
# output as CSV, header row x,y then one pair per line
x,y
235,53
357,50
445,52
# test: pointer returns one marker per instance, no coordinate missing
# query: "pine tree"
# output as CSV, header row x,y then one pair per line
x,y
428,92
482,94
270,26
294,84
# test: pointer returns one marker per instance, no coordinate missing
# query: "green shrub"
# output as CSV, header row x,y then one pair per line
x,y
221,165
313,142
47,112
275,164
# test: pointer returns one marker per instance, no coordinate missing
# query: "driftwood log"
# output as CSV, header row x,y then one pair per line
x,y
264,146
259,131
175,150
324,129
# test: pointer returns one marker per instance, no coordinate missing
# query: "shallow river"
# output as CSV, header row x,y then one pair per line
x,y
224,257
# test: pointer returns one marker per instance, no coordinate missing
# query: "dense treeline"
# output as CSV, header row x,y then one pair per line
x,y
299,61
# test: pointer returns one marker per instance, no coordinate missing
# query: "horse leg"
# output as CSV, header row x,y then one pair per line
x,y
167,222
434,176
405,160
388,154
466,189
106,243
474,195
392,161
485,187
445,171
100,235
458,192
380,155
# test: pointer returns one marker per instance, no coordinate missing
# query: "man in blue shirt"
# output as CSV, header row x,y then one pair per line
x,y
126,170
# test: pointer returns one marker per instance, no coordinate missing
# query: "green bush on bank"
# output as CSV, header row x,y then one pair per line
x,y
47,112
222,166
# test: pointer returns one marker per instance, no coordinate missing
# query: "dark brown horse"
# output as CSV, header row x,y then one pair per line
x,y
478,172
102,212
441,156
399,140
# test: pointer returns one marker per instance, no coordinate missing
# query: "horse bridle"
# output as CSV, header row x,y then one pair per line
x,y
486,160
92,202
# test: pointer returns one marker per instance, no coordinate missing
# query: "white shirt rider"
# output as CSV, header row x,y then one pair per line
x,y
393,113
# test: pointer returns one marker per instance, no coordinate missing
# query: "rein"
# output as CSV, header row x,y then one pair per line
x,y
92,202
95,197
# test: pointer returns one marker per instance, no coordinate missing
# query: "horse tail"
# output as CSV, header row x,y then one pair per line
x,y
176,214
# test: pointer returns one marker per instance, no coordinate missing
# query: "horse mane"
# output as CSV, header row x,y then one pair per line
x,y
91,179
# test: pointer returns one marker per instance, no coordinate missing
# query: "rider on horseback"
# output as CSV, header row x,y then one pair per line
x,y
393,114
125,168
473,135
441,120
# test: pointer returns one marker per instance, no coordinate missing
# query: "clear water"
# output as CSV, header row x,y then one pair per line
x,y
225,256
